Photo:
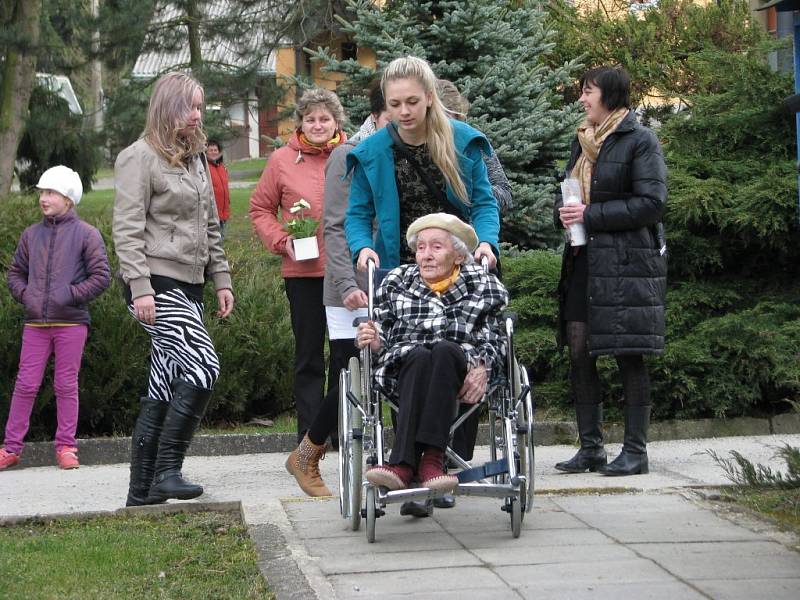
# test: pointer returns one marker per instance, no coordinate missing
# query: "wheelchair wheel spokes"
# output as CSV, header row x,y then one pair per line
x,y
350,445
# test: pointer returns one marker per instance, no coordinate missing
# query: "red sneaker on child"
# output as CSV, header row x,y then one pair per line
x,y
67,458
7,459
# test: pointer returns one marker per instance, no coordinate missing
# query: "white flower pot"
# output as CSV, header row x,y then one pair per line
x,y
306,248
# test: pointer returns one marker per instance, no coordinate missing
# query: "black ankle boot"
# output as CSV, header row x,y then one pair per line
x,y
144,447
592,455
633,458
414,508
185,412
446,501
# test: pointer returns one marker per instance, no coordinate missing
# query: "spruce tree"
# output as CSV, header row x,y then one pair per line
x,y
496,53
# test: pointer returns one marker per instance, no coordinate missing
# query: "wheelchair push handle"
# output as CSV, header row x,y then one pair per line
x,y
485,263
371,268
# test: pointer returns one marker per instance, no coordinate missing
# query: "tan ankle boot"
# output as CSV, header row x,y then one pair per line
x,y
303,463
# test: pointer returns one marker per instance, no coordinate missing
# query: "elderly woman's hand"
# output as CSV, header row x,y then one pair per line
x,y
474,387
485,249
367,334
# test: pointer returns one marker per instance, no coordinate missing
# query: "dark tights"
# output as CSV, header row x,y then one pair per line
x,y
327,420
585,382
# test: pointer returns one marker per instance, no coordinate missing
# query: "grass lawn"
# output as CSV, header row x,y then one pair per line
x,y
247,164
781,506
197,555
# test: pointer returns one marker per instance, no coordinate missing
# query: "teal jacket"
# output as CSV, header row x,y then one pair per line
x,y
373,193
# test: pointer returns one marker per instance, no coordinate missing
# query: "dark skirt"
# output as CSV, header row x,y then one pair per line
x,y
575,305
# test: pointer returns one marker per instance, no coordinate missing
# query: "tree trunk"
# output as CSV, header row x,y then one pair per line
x,y
193,19
19,75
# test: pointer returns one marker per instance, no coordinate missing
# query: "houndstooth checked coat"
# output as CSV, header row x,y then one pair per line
x,y
410,314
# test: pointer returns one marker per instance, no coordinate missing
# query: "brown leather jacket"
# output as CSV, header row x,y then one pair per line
x,y
165,221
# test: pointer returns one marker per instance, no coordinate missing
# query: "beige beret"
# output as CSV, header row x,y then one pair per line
x,y
447,222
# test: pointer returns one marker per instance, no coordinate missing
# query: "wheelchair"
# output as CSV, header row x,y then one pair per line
x,y
507,476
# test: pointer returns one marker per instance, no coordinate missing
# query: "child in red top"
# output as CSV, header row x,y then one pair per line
x,y
219,179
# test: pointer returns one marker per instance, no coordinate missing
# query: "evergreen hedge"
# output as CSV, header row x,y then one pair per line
x,y
733,346
732,343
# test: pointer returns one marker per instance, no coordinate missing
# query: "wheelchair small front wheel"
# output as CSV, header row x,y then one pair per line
x,y
371,514
515,510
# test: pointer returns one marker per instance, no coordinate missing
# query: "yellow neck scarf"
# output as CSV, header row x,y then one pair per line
x,y
441,286
331,142
591,137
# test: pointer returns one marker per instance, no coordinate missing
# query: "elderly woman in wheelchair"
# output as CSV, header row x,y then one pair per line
x,y
438,337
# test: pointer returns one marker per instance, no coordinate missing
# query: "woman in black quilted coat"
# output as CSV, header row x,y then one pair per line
x,y
611,293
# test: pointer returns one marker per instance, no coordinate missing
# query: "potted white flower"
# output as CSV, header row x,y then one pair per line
x,y
304,231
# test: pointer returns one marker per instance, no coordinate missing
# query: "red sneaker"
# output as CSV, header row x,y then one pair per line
x,y
7,459
67,458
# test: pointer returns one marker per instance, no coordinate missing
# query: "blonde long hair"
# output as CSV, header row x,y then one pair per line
x,y
170,103
439,136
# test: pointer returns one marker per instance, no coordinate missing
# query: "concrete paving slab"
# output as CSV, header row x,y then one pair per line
x,y
691,525
366,562
629,570
724,560
482,594
591,557
529,538
550,555
418,583
385,542
773,589
651,590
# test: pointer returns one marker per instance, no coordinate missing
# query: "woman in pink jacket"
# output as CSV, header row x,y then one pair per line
x,y
294,172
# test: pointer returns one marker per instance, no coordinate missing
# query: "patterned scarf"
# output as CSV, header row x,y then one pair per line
x,y
591,138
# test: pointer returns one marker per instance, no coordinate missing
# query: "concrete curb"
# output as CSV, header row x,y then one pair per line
x,y
151,510
105,451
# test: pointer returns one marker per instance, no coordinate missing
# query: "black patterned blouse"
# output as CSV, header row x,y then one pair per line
x,y
415,199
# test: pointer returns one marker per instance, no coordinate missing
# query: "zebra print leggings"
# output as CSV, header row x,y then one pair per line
x,y
181,345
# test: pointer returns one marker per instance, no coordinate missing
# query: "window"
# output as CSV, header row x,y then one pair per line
x,y
349,51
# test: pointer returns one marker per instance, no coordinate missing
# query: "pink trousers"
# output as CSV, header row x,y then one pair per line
x,y
38,343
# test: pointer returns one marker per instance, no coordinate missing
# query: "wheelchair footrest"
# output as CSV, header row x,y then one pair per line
x,y
490,469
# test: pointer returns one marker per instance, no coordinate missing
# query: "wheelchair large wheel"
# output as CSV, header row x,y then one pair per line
x,y
350,445
371,514
525,440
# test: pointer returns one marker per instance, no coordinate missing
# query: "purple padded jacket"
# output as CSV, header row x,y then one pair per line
x,y
59,266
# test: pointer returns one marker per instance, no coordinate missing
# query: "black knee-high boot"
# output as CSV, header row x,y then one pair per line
x,y
185,412
592,455
633,458
144,447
